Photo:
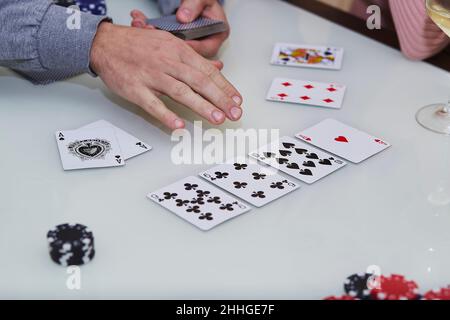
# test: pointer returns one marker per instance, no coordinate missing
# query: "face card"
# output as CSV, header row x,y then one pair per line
x,y
298,159
90,148
130,145
307,56
199,203
328,95
343,140
253,183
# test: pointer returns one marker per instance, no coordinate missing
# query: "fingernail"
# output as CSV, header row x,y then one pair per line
x,y
236,113
179,124
218,116
237,99
186,13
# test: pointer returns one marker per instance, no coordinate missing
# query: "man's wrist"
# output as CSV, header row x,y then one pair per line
x,y
97,51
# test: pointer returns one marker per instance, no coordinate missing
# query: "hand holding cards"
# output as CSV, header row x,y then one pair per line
x,y
199,28
97,145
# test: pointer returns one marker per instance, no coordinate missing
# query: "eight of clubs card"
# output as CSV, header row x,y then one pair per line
x,y
329,95
307,56
343,140
251,182
90,148
298,159
198,202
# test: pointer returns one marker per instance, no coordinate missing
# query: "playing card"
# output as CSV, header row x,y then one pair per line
x,y
251,182
329,95
343,140
198,28
300,55
130,145
90,148
298,159
199,203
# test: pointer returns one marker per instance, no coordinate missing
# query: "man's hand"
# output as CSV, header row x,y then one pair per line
x,y
189,11
140,65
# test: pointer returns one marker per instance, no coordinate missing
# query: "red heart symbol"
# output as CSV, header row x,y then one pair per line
x,y
341,139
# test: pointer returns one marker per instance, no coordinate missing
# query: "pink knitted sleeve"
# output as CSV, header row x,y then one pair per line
x,y
419,37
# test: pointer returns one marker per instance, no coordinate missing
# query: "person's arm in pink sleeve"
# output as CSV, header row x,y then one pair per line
x,y
419,37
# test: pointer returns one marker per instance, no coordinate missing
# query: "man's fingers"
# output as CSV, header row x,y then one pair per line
x,y
183,94
137,14
204,86
191,9
155,107
217,63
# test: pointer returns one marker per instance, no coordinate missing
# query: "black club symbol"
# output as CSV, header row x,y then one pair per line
x,y
214,200
258,194
202,194
277,185
188,186
206,216
228,207
239,166
240,185
259,176
181,203
221,175
194,209
198,201
168,195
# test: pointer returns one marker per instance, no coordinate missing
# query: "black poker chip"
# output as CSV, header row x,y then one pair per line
x,y
65,3
71,244
356,286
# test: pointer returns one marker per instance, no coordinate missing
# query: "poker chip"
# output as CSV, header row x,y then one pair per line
x,y
71,244
97,7
439,294
395,287
356,286
65,3
344,297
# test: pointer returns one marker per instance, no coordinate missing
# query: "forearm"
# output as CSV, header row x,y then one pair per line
x,y
36,41
419,37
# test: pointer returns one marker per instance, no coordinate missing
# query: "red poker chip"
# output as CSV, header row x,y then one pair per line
x,y
440,294
395,287
340,298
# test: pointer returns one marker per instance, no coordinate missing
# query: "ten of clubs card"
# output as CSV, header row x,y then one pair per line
x,y
198,202
90,148
251,182
343,140
298,55
329,95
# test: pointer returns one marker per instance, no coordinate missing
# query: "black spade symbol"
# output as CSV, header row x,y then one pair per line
x,y
309,164
90,150
306,172
282,160
312,156
288,145
301,151
325,162
285,153
269,154
293,166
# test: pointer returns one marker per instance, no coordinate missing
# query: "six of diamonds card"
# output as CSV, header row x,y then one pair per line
x,y
198,202
329,95
299,55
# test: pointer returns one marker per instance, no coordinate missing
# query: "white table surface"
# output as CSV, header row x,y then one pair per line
x,y
301,246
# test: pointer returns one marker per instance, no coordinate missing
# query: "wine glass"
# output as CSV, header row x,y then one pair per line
x,y
436,117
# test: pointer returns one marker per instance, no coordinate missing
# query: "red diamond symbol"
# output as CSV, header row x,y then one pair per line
x,y
287,84
331,89
305,98
282,95
328,100
308,86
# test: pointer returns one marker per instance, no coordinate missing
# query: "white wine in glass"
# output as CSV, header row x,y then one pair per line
x,y
436,117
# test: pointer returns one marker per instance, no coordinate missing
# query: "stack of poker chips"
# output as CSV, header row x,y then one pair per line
x,y
97,7
71,244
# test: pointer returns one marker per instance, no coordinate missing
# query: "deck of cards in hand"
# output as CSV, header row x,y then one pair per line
x,y
98,145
